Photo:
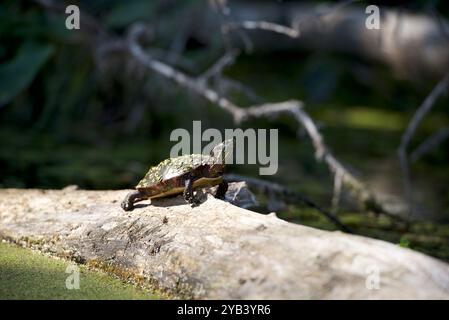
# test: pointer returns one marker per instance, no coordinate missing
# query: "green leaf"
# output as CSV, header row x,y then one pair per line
x,y
18,73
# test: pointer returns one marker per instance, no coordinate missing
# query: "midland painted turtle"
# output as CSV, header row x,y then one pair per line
x,y
182,175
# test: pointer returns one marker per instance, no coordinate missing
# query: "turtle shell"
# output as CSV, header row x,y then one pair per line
x,y
167,178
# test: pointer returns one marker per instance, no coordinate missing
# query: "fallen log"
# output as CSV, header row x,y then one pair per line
x,y
413,44
216,250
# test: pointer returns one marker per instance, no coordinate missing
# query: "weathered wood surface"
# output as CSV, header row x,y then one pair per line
x,y
216,250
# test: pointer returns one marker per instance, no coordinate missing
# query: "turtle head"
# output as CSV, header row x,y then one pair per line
x,y
222,152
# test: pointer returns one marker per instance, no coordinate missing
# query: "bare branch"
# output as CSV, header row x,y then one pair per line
x,y
173,74
217,68
322,12
264,25
221,6
174,59
419,115
226,26
441,24
338,181
425,107
430,144
226,84
179,43
357,188
267,187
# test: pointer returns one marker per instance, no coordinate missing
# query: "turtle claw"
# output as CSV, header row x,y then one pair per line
x,y
191,199
128,203
194,201
127,206
188,194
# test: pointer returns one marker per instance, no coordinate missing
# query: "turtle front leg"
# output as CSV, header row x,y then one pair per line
x,y
188,192
221,190
130,199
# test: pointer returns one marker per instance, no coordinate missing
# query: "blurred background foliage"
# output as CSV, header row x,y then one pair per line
x,y
69,116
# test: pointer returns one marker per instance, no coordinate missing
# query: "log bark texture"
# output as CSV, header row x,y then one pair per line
x,y
217,250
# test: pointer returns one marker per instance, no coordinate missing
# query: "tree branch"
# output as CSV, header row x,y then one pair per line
x,y
429,144
263,25
288,195
417,118
217,68
356,187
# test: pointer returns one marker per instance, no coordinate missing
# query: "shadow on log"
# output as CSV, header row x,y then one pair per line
x,y
217,250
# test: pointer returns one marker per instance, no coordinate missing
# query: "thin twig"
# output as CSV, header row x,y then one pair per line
x,y
441,24
227,25
173,74
322,13
179,43
288,195
264,25
221,6
226,84
417,118
338,181
217,68
430,144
